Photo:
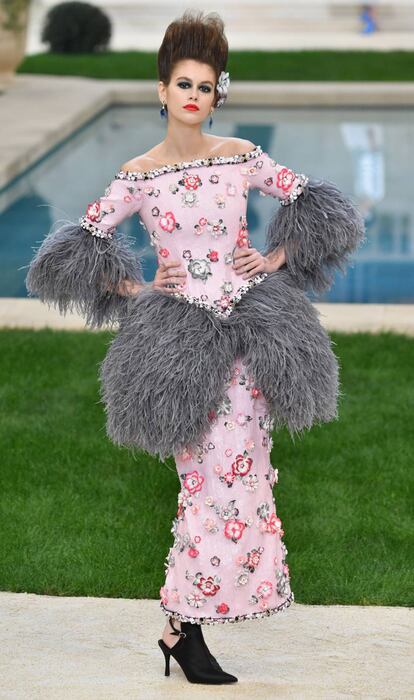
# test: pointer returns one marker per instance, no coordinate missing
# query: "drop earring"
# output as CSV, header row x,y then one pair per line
x,y
211,119
163,111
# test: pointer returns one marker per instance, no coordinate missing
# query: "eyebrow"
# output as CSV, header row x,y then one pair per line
x,y
181,77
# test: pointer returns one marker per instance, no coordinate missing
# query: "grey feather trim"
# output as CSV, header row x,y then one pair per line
x,y
73,270
319,231
167,368
288,352
163,373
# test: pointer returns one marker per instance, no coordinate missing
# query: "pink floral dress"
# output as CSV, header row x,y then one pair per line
x,y
228,560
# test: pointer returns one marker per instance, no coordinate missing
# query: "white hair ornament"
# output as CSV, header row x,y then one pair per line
x,y
222,87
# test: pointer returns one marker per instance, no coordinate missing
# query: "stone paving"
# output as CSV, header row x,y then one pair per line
x,y
86,648
349,318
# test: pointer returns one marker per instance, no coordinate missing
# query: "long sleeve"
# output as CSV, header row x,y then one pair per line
x,y
317,225
80,266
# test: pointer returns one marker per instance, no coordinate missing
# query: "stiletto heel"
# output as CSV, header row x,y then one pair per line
x,y
166,651
192,654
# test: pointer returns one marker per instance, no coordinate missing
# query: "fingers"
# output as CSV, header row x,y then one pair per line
x,y
247,262
170,273
244,255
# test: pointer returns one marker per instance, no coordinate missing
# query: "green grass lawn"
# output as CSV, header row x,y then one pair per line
x,y
80,516
242,65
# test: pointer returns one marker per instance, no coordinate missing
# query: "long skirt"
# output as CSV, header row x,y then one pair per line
x,y
228,559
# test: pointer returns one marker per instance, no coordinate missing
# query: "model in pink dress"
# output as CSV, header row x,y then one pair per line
x,y
205,370
227,562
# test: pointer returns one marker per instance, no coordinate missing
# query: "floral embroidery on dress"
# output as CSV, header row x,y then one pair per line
x,y
233,529
164,595
220,200
225,407
243,234
168,222
196,600
193,481
253,559
191,488
222,609
213,255
282,580
183,541
227,287
152,191
207,585
93,211
285,179
154,238
224,302
241,579
210,525
190,182
189,199
199,269
217,228
240,469
214,178
268,522
234,526
272,476
200,226
96,212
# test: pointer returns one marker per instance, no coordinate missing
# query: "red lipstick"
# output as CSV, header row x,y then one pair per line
x,y
191,107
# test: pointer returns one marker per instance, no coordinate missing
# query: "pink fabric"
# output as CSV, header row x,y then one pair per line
x,y
227,562
197,215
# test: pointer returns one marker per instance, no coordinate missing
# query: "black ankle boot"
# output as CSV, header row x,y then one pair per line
x,y
192,654
197,630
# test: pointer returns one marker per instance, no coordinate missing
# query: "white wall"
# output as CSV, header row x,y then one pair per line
x,y
270,24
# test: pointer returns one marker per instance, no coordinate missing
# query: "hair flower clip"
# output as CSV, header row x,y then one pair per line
x,y
222,87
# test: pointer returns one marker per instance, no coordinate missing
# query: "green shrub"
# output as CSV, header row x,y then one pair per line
x,y
76,27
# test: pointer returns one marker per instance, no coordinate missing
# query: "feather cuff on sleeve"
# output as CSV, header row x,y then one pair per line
x,y
77,271
319,230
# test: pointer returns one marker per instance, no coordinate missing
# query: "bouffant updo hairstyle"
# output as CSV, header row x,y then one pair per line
x,y
197,36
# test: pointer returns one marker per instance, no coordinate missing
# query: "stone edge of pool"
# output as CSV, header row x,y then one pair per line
x,y
348,318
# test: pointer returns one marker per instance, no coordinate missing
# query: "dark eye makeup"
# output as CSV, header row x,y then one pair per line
x,y
205,88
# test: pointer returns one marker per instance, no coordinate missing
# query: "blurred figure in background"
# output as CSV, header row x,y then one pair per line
x,y
368,19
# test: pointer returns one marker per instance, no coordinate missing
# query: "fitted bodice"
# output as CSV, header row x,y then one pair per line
x,y
195,212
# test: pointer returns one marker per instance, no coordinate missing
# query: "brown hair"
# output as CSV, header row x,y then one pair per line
x,y
193,36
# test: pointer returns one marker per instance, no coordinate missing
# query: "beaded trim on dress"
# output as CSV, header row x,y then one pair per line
x,y
222,620
196,163
95,230
230,301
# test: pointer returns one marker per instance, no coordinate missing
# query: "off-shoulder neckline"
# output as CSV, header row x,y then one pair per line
x,y
184,165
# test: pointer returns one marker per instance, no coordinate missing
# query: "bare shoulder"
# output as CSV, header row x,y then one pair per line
x,y
238,146
140,163
227,146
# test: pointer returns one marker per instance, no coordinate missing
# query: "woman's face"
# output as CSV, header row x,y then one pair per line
x,y
191,83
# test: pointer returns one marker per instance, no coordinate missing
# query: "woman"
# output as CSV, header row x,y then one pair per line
x,y
220,348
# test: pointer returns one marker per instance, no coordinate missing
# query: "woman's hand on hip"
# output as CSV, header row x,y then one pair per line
x,y
169,273
248,262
